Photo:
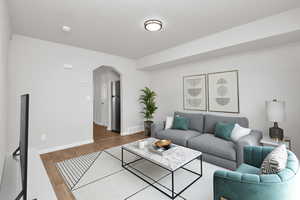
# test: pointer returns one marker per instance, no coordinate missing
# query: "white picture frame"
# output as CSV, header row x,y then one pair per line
x,y
195,92
223,92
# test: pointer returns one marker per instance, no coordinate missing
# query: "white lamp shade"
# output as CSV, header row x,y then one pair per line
x,y
276,111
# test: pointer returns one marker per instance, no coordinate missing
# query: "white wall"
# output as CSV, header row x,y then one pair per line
x,y
264,75
61,99
103,76
4,41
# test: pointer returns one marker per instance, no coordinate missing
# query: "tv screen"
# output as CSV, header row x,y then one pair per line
x,y
22,150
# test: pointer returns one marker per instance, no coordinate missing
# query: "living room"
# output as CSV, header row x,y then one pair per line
x,y
50,49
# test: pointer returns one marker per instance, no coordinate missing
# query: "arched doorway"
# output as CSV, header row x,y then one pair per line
x,y
106,102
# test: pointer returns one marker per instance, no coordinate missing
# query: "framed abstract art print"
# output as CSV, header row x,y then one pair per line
x,y
194,92
223,92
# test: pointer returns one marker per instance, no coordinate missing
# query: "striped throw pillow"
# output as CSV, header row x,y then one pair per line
x,y
275,161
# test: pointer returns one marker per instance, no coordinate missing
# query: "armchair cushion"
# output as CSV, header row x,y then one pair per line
x,y
248,169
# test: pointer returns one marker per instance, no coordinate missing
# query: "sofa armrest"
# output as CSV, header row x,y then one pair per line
x,y
156,127
253,139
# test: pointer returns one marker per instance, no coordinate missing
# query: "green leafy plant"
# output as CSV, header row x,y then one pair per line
x,y
147,99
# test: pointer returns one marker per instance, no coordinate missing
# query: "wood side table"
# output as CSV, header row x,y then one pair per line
x,y
267,141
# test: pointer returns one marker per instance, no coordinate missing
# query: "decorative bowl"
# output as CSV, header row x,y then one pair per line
x,y
163,143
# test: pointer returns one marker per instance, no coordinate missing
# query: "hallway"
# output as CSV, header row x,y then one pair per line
x,y
101,133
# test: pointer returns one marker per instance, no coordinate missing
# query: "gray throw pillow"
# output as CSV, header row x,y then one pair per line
x,y
275,161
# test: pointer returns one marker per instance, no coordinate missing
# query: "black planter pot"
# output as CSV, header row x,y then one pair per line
x,y
147,125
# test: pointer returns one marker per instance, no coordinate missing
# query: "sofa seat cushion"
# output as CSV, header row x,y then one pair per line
x,y
208,143
248,169
179,137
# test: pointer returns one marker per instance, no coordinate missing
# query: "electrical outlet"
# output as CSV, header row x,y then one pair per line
x,y
43,137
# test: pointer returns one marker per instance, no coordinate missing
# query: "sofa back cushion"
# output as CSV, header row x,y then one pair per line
x,y
210,122
196,120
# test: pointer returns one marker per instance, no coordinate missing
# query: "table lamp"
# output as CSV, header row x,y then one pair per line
x,y
276,113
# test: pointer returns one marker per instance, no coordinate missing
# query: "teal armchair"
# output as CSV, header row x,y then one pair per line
x,y
246,183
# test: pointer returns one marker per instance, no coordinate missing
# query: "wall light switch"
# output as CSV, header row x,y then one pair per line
x,y
67,66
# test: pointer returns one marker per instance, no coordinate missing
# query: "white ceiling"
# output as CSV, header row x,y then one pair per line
x,y
116,26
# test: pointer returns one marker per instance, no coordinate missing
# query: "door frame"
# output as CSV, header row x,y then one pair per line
x,y
109,98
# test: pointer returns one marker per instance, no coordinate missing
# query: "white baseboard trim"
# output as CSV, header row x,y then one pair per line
x,y
67,146
99,123
132,130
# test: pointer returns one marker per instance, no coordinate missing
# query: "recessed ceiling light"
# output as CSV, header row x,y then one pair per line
x,y
153,25
66,28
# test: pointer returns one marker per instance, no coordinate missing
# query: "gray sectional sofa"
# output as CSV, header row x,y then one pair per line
x,y
200,136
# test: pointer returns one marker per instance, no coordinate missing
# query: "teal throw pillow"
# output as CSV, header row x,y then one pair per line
x,y
180,123
223,130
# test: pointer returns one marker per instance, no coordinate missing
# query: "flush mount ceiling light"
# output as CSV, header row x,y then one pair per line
x,y
153,25
66,28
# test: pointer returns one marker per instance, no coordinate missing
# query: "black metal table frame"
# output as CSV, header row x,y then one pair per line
x,y
173,194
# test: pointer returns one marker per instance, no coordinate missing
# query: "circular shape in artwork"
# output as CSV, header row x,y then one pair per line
x,y
222,90
194,102
223,101
194,82
222,81
194,91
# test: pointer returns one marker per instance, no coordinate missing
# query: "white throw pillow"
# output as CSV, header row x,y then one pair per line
x,y
238,132
169,122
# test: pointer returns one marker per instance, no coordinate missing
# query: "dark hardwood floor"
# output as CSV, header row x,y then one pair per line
x,y
101,133
103,139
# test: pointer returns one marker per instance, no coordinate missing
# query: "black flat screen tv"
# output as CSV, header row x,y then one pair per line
x,y
22,150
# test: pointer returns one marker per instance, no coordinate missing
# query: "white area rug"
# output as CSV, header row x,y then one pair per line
x,y
100,176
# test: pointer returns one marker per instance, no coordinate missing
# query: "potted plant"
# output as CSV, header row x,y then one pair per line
x,y
147,99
